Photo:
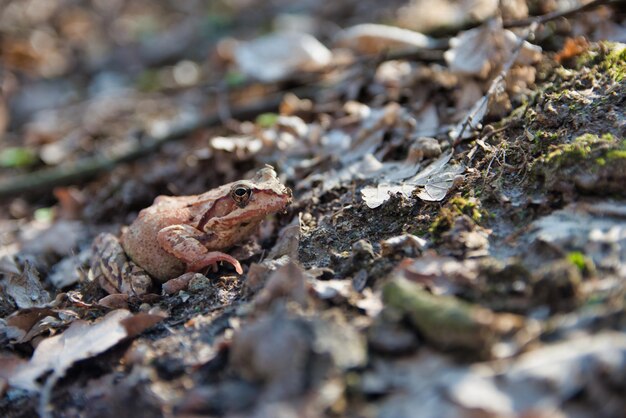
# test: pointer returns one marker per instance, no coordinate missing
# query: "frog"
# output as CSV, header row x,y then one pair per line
x,y
177,235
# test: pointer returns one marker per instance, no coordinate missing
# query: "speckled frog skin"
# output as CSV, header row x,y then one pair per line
x,y
188,233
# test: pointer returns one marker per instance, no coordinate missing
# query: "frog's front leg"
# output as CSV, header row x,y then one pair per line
x,y
113,270
185,243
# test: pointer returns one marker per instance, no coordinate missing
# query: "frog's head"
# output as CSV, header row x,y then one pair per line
x,y
244,204
263,194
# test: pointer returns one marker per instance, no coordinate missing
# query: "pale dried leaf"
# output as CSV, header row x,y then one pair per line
x,y
80,341
598,230
546,378
245,143
436,178
379,194
26,324
61,237
372,38
481,50
288,241
407,244
280,55
68,271
436,186
26,288
426,15
286,283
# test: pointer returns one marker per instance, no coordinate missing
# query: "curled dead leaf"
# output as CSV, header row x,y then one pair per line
x,y
372,38
80,341
280,55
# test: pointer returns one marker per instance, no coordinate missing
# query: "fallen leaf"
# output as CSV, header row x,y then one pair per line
x,y
69,270
547,378
25,324
427,15
60,238
408,245
436,178
441,275
287,284
573,47
369,38
597,230
280,55
288,241
114,301
376,196
25,288
245,144
481,50
80,341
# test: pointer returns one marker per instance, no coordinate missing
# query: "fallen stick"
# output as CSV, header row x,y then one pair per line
x,y
560,13
87,168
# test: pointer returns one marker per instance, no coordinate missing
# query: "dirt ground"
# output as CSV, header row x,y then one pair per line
x,y
456,241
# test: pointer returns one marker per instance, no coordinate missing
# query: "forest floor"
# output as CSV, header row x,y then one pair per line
x,y
456,241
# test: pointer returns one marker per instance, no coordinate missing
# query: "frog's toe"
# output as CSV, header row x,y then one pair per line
x,y
211,259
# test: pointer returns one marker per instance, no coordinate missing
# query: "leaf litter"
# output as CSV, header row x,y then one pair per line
x,y
443,252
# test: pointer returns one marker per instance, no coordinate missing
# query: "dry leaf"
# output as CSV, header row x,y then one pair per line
x,y
436,178
286,283
25,288
598,230
80,341
426,15
371,38
543,380
407,244
573,47
25,324
114,301
481,50
280,55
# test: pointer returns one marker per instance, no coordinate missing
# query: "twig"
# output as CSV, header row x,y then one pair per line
x,y
475,111
45,179
559,14
45,395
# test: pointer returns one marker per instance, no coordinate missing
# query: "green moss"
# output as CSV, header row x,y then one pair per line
x,y
610,59
17,157
578,259
615,62
583,263
267,120
616,153
442,223
455,207
582,148
44,214
590,163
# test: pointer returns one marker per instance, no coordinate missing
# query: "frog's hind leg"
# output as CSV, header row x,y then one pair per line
x,y
113,271
184,243
211,259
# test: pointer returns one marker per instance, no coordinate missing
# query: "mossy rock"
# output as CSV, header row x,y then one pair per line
x,y
590,164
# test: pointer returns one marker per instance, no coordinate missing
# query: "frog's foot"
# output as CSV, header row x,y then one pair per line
x,y
211,259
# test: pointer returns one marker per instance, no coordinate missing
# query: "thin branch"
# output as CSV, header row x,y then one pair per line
x,y
47,178
474,113
561,13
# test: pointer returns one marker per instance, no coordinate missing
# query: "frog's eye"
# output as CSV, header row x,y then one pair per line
x,y
241,195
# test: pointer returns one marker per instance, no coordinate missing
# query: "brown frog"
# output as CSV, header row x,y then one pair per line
x,y
186,233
